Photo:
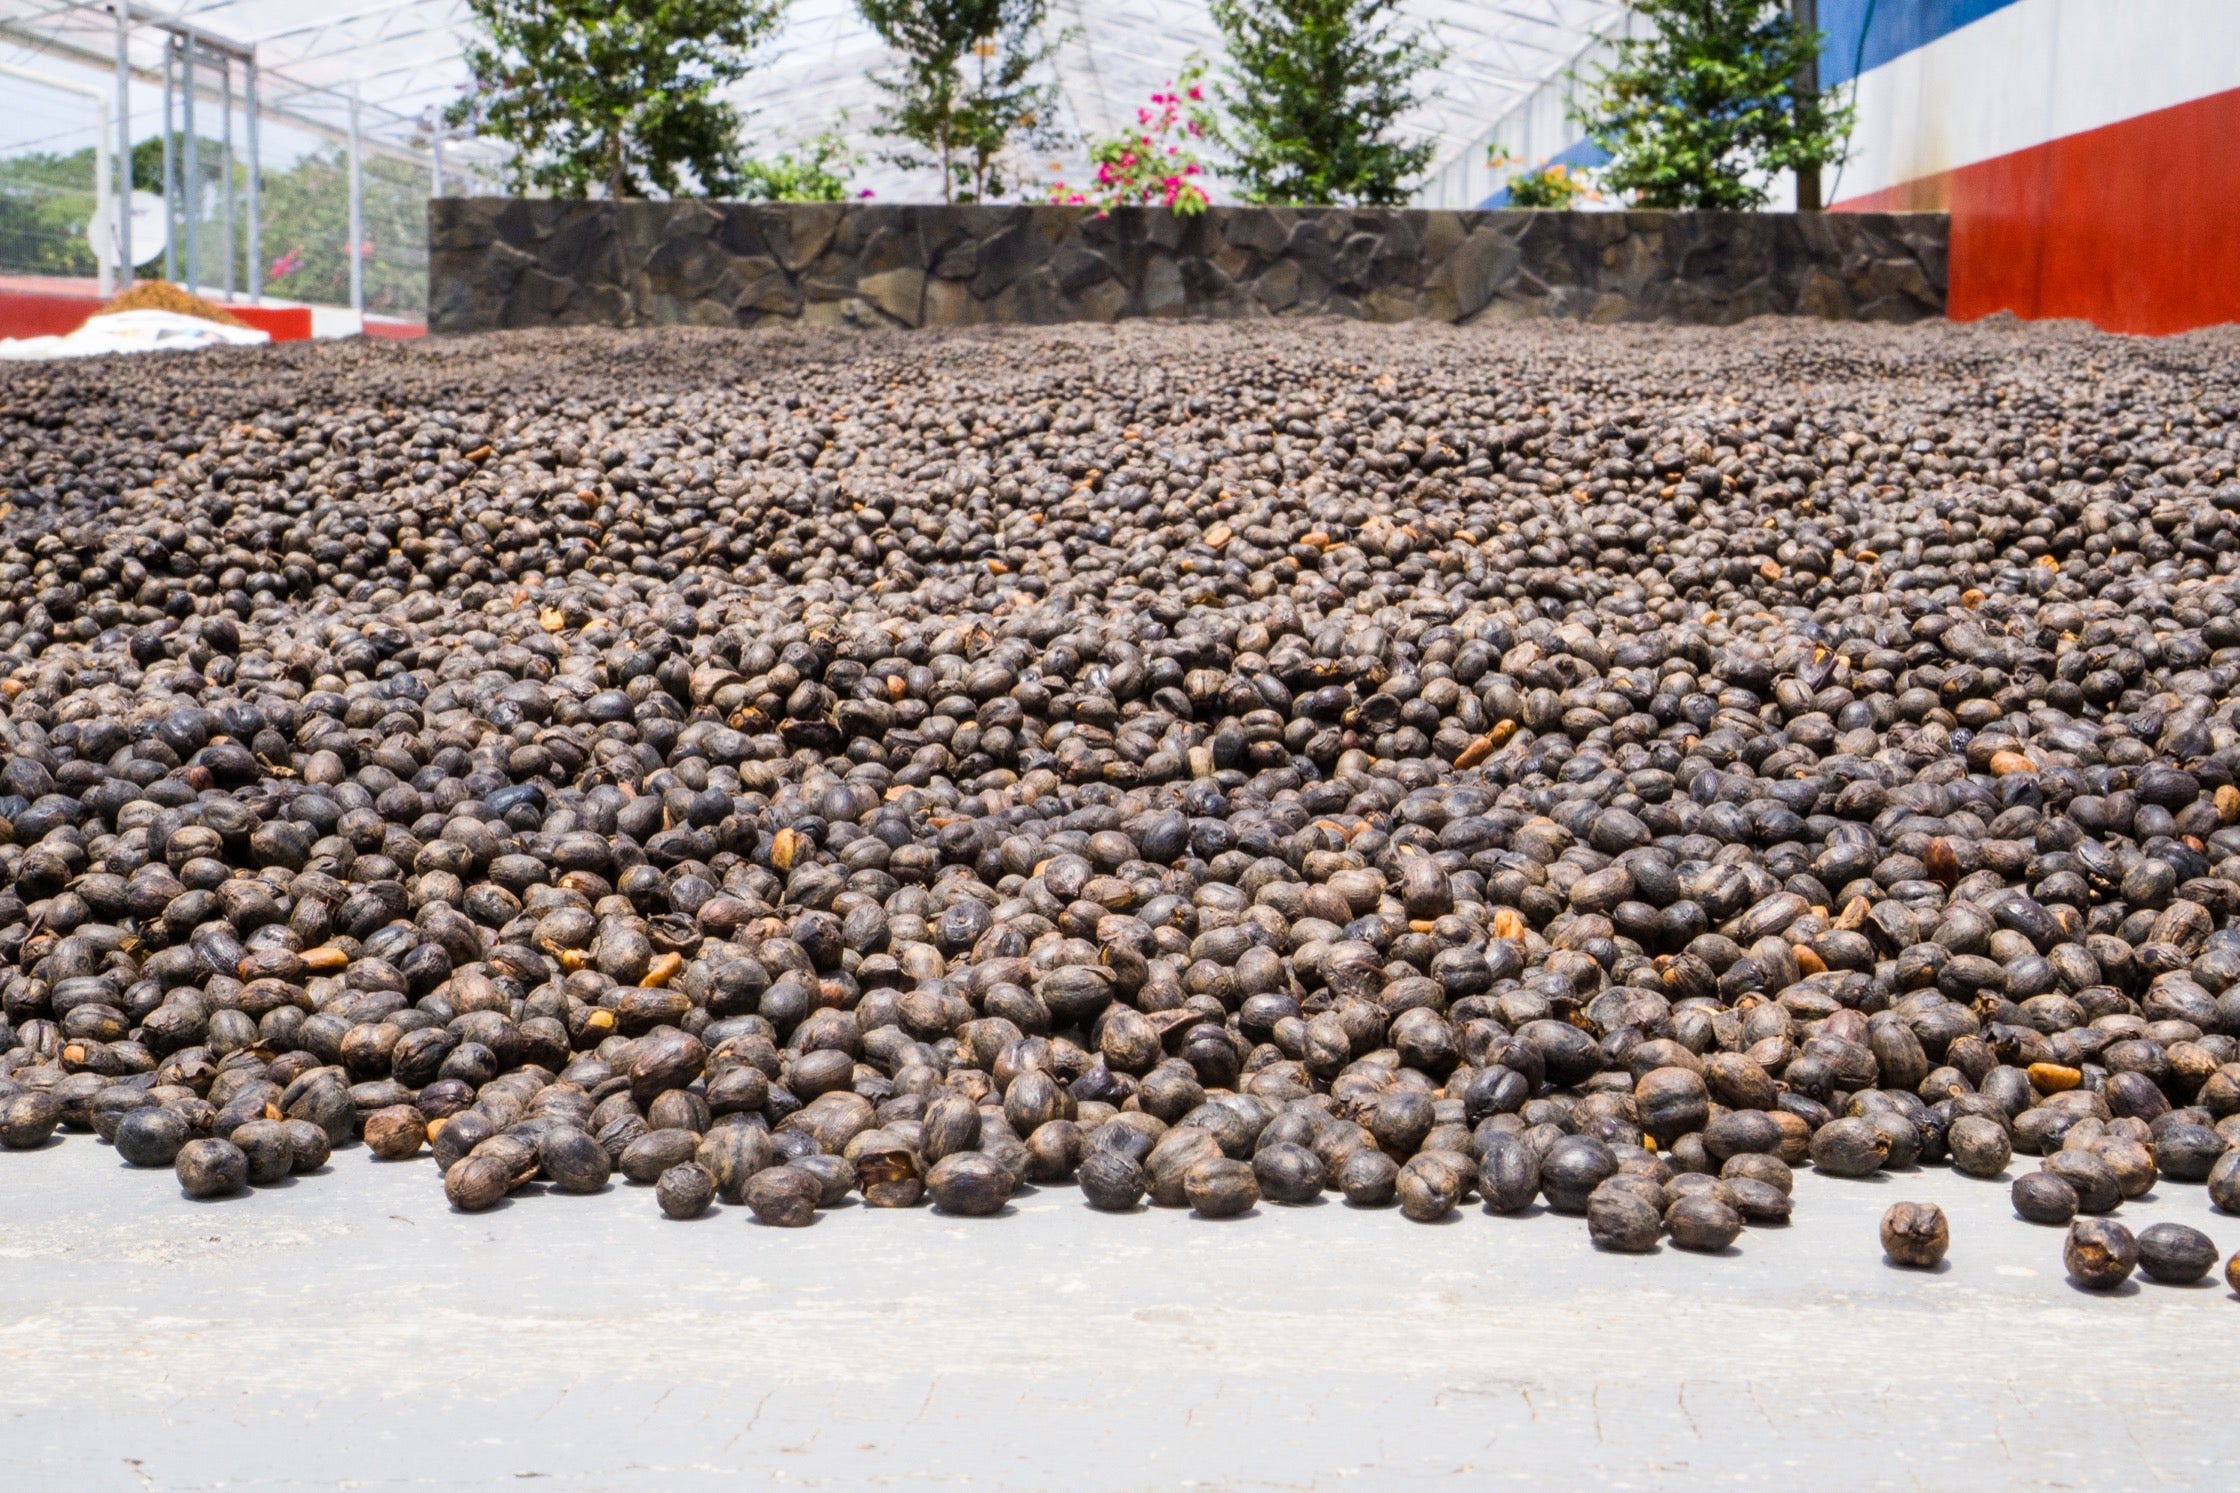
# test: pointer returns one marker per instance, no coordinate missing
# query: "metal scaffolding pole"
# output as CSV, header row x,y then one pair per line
x,y
191,197
435,163
357,215
123,178
225,189
170,165
256,226
105,272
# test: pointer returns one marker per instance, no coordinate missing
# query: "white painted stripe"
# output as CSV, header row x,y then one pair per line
x,y
2034,72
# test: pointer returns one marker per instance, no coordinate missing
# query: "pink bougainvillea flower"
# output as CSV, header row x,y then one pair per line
x,y
1151,163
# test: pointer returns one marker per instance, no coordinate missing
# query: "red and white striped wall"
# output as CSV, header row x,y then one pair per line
x,y
2087,150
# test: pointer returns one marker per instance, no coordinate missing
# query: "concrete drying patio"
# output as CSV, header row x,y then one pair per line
x,y
353,1332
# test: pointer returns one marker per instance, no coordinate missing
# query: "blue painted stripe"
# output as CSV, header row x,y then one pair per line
x,y
1863,34
1584,154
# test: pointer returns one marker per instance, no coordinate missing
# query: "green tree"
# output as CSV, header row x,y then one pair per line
x,y
968,88
147,160
47,199
1704,110
305,223
1315,87
306,232
619,94
45,202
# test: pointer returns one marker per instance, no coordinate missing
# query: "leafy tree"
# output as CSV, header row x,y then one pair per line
x,y
1702,112
967,89
306,232
45,201
147,159
1315,88
305,212
619,94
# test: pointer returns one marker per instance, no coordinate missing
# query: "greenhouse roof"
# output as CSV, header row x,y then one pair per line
x,y
402,60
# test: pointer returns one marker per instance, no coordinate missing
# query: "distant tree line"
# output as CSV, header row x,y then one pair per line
x,y
46,200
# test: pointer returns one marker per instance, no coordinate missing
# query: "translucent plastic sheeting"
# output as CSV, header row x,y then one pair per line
x,y
402,60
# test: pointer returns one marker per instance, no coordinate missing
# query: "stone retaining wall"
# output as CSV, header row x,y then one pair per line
x,y
503,262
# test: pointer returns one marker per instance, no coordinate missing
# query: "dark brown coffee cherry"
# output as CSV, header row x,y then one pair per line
x,y
1369,1179
2175,1254
1916,1235
397,1132
1703,1223
1849,1148
1221,1188
2100,1253
685,1190
970,1183
1619,1221
211,1168
1979,1146
784,1196
27,1120
152,1136
268,1149
1508,1175
1110,1180
2042,1197
1561,787
1287,1173
477,1183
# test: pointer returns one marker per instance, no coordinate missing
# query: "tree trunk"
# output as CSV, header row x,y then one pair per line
x,y
1807,89
614,165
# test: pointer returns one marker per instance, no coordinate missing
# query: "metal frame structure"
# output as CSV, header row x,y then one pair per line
x,y
198,51
393,65
1535,117
185,53
107,266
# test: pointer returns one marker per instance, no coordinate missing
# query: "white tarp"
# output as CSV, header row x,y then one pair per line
x,y
131,332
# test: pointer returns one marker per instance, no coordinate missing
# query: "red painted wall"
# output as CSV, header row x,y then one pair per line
x,y
31,314
2134,227
38,314
280,323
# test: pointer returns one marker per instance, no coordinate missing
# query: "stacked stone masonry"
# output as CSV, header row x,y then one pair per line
x,y
502,262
